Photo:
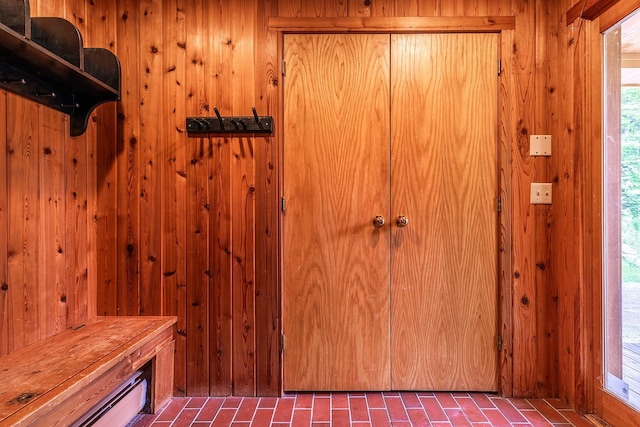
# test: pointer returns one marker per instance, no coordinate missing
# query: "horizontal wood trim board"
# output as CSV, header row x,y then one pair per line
x,y
589,9
395,24
614,411
616,13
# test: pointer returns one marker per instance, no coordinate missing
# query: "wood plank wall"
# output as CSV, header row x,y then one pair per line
x,y
45,242
135,217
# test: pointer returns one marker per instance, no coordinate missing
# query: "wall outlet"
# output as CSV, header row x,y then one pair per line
x,y
540,193
540,145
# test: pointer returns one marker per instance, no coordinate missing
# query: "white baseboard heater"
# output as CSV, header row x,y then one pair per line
x,y
122,405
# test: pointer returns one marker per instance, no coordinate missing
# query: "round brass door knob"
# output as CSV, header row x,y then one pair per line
x,y
378,221
402,221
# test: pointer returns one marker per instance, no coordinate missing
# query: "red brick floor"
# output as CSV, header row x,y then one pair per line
x,y
363,409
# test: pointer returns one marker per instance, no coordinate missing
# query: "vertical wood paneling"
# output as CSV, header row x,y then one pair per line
x,y
546,38
197,206
197,270
104,168
314,8
356,8
290,8
476,7
75,251
382,8
24,287
243,273
53,300
566,234
452,7
52,207
4,230
232,44
524,287
221,263
46,179
498,7
266,253
76,230
221,256
243,206
571,169
100,141
151,142
188,217
128,173
76,198
102,151
174,181
52,232
406,8
428,8
336,8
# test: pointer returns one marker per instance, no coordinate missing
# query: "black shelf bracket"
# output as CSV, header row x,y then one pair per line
x,y
43,59
230,125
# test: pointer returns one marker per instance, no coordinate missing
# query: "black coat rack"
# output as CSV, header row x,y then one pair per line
x,y
240,124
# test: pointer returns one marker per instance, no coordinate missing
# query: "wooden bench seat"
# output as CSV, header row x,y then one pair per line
x,y
55,381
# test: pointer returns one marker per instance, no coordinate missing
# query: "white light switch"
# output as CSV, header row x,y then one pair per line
x,y
540,145
540,193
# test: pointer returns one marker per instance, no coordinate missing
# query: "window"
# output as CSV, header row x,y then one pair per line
x,y
622,210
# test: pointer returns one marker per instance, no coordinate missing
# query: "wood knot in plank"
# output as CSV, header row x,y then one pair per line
x,y
23,398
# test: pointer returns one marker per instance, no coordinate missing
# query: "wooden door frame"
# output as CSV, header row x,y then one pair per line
x,y
505,27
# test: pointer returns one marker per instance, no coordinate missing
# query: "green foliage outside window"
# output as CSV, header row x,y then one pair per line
x,y
630,208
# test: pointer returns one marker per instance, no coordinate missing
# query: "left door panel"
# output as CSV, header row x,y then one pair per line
x,y
336,181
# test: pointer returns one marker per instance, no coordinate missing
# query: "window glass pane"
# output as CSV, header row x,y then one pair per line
x,y
622,210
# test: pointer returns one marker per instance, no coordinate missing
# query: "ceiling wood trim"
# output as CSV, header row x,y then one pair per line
x,y
589,9
395,24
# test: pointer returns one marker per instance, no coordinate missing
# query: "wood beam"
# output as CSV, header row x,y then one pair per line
x,y
394,24
588,9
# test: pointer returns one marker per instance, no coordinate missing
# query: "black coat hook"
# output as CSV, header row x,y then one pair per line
x,y
215,110
255,116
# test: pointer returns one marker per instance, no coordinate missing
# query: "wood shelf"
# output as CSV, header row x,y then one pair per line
x,y
40,69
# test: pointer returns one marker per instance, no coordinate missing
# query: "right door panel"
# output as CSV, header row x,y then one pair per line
x,y
444,181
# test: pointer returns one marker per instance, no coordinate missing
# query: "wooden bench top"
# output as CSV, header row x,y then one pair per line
x,y
46,373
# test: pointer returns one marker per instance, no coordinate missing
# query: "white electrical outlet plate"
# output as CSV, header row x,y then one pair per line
x,y
540,193
540,145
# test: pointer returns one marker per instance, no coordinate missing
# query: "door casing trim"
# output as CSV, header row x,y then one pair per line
x,y
428,25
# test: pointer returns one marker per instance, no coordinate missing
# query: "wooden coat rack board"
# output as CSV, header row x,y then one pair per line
x,y
43,59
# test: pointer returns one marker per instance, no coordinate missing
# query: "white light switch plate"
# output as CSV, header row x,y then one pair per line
x,y
540,145
540,193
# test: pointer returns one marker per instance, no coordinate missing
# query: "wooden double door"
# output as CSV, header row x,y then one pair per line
x,y
391,223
